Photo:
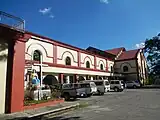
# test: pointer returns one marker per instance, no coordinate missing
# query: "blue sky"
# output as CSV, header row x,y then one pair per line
x,y
82,23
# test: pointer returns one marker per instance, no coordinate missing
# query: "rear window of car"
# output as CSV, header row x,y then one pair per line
x,y
85,85
116,82
99,83
112,82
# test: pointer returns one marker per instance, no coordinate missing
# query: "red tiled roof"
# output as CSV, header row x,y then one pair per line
x,y
115,51
131,54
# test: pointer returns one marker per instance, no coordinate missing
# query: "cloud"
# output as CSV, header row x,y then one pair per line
x,y
104,1
140,45
51,16
45,10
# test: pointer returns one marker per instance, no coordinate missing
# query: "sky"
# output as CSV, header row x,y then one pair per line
x,y
103,24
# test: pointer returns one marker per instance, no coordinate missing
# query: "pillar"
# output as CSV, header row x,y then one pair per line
x,y
15,77
95,62
61,77
75,78
68,80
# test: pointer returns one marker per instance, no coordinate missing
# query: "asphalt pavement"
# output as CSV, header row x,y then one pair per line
x,y
131,104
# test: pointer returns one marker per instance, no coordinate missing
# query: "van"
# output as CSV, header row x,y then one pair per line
x,y
100,86
92,86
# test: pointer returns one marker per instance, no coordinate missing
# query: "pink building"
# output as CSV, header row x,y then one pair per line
x,y
23,51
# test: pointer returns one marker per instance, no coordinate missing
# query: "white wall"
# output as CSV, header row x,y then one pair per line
x,y
45,48
73,71
62,53
85,58
3,71
100,61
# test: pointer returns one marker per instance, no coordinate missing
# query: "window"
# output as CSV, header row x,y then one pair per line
x,y
125,69
87,64
99,83
37,55
116,82
112,82
101,66
68,61
111,68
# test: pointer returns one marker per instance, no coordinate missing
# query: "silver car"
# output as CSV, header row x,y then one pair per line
x,y
132,84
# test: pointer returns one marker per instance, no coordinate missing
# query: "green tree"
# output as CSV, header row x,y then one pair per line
x,y
152,50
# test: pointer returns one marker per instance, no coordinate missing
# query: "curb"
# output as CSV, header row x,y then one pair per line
x,y
54,111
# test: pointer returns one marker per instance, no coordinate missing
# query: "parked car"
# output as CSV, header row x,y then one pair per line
x,y
93,87
84,90
69,91
117,85
100,86
132,84
75,90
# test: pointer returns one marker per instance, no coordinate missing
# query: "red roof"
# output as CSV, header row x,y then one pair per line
x,y
115,51
131,54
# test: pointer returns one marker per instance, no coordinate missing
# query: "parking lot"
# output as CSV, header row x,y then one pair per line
x,y
131,104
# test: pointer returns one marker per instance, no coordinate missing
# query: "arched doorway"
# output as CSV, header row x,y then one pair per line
x,y
50,80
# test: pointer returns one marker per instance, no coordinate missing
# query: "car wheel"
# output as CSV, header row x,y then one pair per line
x,y
66,96
134,87
116,89
102,93
99,93
74,98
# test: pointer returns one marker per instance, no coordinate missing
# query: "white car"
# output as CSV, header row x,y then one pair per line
x,y
132,84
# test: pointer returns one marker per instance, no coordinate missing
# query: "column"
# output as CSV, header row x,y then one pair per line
x,y
15,77
75,78
68,80
95,62
79,59
106,65
61,76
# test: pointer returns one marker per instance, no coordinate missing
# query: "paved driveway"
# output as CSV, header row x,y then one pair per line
x,y
138,104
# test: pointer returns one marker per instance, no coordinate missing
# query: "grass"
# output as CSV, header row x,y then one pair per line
x,y
32,102
82,105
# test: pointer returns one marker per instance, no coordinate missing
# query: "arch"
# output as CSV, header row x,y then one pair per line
x,y
101,67
88,64
32,44
68,61
50,80
102,62
87,60
72,56
111,67
125,68
37,55
128,66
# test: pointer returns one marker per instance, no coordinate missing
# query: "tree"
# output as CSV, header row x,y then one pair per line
x,y
152,50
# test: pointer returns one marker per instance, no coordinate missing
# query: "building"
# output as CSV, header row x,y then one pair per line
x,y
22,51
